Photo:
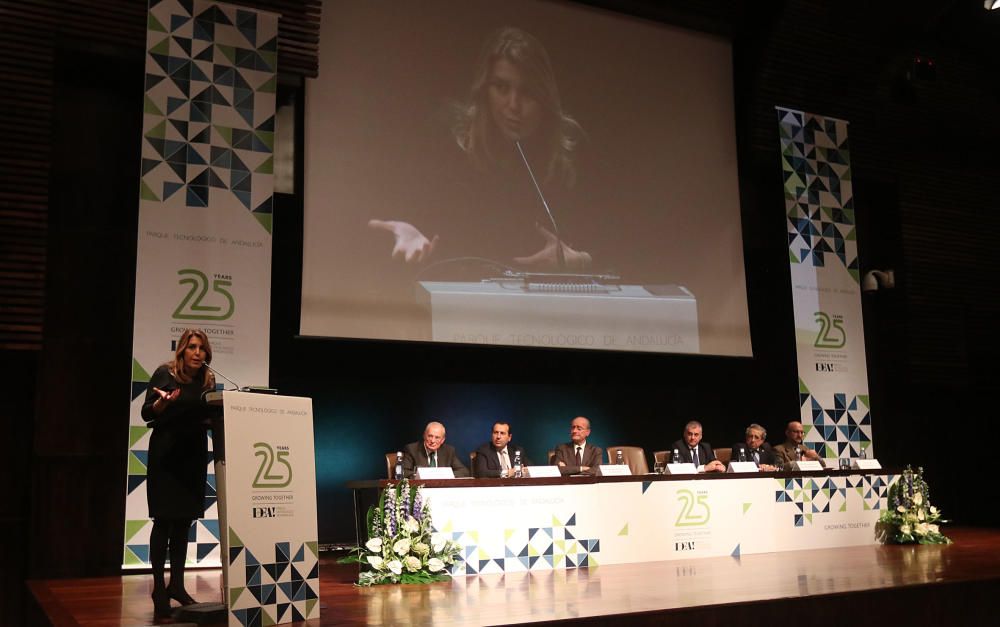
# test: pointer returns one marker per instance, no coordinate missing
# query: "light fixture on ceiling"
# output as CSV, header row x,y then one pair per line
x,y
991,5
876,279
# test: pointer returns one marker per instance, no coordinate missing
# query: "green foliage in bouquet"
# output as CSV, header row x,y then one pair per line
x,y
909,517
402,546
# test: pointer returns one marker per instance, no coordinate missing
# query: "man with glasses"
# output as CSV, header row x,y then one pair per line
x,y
756,449
792,449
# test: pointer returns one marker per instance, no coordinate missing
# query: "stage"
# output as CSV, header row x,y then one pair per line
x,y
954,584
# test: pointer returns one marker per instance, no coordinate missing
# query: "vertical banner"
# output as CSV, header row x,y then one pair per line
x,y
268,496
204,244
826,289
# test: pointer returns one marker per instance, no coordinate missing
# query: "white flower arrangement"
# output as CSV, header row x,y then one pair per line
x,y
910,517
402,546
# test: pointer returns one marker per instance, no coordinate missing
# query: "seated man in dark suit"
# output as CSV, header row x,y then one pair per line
x,y
496,457
693,451
577,457
756,450
432,452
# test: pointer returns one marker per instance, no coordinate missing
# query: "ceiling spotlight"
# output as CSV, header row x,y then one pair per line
x,y
875,279
991,5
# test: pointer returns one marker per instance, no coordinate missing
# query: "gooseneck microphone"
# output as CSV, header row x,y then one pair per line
x,y
560,256
236,385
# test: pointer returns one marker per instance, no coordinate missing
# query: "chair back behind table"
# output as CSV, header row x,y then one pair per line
x,y
724,455
634,456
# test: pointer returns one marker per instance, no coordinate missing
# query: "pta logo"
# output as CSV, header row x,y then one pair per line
x,y
684,546
198,304
263,512
831,330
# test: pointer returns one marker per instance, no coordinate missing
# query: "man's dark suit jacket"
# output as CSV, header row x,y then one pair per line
x,y
767,455
705,452
566,453
488,464
414,456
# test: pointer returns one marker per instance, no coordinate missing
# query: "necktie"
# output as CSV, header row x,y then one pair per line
x,y
504,460
579,456
756,456
434,460
694,456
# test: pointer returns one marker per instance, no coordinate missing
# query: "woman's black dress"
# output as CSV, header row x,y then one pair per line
x,y
178,449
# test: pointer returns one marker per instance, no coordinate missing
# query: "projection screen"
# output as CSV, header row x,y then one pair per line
x,y
522,173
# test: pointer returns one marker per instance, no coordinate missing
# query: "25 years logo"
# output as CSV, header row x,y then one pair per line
x,y
694,509
197,303
267,475
831,331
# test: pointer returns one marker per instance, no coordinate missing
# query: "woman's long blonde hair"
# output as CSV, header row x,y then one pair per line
x,y
558,133
176,365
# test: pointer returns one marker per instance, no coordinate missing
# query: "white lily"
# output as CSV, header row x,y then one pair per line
x,y
434,565
438,542
402,547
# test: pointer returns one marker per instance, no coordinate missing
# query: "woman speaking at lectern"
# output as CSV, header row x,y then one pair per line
x,y
178,457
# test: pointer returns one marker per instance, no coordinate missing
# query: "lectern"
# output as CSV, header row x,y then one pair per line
x,y
266,484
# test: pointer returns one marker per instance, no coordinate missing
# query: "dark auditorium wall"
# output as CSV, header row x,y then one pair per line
x,y
925,168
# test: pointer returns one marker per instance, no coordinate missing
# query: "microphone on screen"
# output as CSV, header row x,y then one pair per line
x,y
560,256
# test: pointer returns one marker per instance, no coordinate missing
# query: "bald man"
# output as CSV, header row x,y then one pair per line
x,y
577,457
432,451
786,451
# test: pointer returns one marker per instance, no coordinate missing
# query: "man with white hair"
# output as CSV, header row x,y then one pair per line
x,y
432,452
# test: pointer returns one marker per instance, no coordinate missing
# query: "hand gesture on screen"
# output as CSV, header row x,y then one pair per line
x,y
409,243
548,259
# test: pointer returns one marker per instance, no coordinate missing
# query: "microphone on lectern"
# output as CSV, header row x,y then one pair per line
x,y
560,256
237,385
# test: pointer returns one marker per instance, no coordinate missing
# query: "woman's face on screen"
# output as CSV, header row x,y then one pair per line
x,y
515,109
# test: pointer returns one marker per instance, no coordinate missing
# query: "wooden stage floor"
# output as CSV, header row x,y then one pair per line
x,y
925,585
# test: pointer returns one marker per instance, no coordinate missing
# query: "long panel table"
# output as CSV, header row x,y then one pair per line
x,y
510,525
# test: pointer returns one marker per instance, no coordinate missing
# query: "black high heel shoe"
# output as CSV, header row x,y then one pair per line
x,y
181,596
161,604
